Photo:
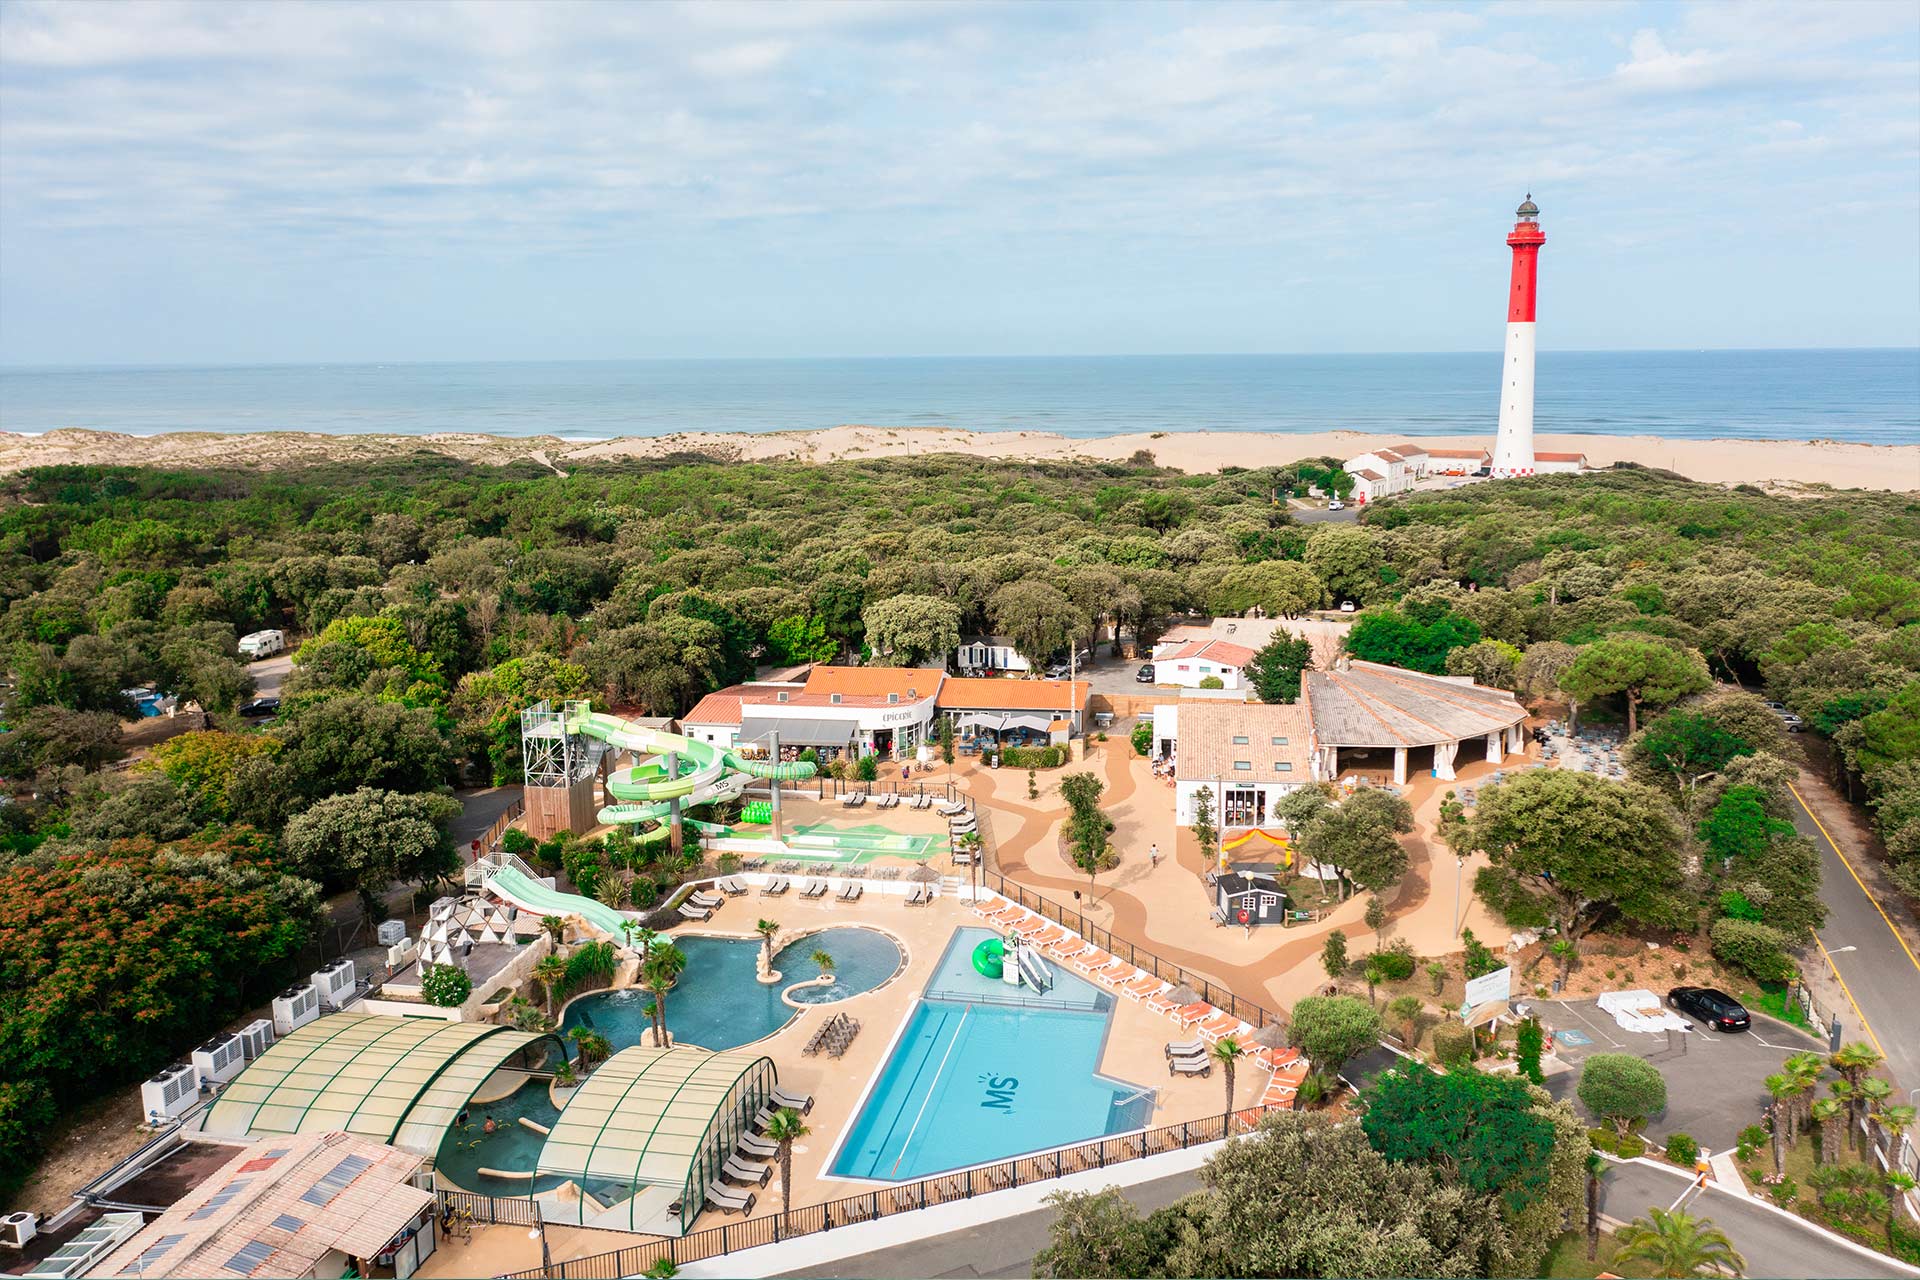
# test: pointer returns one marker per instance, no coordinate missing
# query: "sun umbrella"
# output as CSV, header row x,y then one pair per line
x,y
1271,1036
1183,995
923,873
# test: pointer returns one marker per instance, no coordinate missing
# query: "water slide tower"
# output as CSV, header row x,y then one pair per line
x,y
561,770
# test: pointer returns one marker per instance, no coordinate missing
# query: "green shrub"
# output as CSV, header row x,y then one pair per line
x,y
1682,1150
446,985
518,843
1312,1090
1786,1193
1758,950
1754,1137
1143,738
1631,1147
1453,1045
1397,960
1212,682
1033,757
1528,1043
1604,1140
868,768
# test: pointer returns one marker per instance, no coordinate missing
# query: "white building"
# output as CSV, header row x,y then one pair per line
x,y
1562,463
989,653
1188,662
1249,753
1457,462
886,711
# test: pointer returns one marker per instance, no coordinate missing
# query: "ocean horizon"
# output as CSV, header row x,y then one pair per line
x,y
1869,395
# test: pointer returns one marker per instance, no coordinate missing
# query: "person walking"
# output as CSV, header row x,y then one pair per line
x,y
1153,855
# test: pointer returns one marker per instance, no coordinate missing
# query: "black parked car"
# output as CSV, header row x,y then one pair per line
x,y
260,709
1144,675
1712,1006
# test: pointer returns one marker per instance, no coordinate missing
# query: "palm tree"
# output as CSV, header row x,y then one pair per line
x,y
1853,1061
1596,1164
555,925
610,891
661,969
1874,1092
550,973
825,961
767,930
1678,1245
593,1046
1829,1113
1375,973
1782,1087
1565,952
785,1127
1896,1120
1807,1066
1226,1052
1843,1094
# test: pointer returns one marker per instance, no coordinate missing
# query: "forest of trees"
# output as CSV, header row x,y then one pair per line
x,y
433,599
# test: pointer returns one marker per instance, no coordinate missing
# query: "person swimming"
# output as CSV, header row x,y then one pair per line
x,y
490,1125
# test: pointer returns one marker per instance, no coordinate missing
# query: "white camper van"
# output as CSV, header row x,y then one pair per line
x,y
262,644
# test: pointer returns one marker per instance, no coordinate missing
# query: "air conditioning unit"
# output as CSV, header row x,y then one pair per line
x,y
390,932
402,954
220,1059
170,1093
257,1037
16,1229
295,1007
335,982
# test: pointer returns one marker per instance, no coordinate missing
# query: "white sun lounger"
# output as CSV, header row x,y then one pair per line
x,y
703,899
688,911
775,887
814,889
752,1172
852,892
721,1196
1189,1066
801,1102
733,886
757,1147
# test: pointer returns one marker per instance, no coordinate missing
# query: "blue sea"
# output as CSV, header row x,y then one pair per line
x,y
1862,395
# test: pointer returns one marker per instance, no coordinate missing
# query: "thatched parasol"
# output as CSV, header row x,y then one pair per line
x,y
1271,1036
1183,995
923,873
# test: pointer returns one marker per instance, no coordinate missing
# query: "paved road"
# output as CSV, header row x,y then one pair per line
x,y
1880,975
1002,1248
1320,515
269,674
1716,1084
478,809
1775,1244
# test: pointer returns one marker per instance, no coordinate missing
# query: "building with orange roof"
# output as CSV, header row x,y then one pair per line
x,y
1188,662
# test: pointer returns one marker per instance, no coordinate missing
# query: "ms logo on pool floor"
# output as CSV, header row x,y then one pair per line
x,y
1000,1091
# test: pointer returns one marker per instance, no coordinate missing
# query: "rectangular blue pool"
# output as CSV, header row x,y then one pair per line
x,y
984,1071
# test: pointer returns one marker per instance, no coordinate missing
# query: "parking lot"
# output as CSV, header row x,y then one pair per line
x,y
1715,1083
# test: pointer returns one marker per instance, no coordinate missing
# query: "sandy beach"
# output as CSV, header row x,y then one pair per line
x,y
1785,466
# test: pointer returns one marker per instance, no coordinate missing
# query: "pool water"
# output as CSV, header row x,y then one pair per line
x,y
984,1071
719,1002
512,1147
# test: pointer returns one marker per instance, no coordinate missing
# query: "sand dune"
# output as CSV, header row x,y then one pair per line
x,y
1785,465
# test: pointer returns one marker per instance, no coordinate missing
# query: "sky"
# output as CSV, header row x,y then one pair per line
x,y
243,183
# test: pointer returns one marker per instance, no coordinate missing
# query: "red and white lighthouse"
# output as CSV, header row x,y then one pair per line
x,y
1513,446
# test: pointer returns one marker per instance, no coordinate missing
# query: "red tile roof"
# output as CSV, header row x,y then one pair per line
x,y
1365,474
1234,655
1559,457
908,682
716,708
1013,695
1408,448
1457,453
1388,454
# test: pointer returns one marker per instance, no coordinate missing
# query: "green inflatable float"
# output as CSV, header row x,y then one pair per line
x,y
990,958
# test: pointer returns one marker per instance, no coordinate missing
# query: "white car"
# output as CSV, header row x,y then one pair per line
x,y
1336,505
1346,606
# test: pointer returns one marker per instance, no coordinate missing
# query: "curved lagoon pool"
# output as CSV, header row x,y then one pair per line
x,y
719,1003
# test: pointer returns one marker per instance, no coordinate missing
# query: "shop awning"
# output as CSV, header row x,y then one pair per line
x,y
797,731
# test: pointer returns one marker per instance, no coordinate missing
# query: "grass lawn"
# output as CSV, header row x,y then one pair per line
x,y
1771,997
1567,1260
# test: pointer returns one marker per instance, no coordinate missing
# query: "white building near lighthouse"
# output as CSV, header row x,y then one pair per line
x,y
1513,445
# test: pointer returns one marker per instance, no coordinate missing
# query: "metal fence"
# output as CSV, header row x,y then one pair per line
x,y
1166,970
902,1198
513,1211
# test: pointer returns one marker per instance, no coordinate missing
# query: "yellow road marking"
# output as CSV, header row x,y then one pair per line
x,y
1835,846
1877,1046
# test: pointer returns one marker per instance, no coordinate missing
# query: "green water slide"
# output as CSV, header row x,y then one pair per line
x,y
706,773
531,895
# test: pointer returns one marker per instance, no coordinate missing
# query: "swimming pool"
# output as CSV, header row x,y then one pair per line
x,y
719,1003
983,1071
468,1148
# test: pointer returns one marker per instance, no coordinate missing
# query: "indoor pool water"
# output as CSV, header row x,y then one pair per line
x,y
983,1072
720,1004
511,1147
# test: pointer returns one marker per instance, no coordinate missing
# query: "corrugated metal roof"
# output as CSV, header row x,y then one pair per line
x,y
1372,705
